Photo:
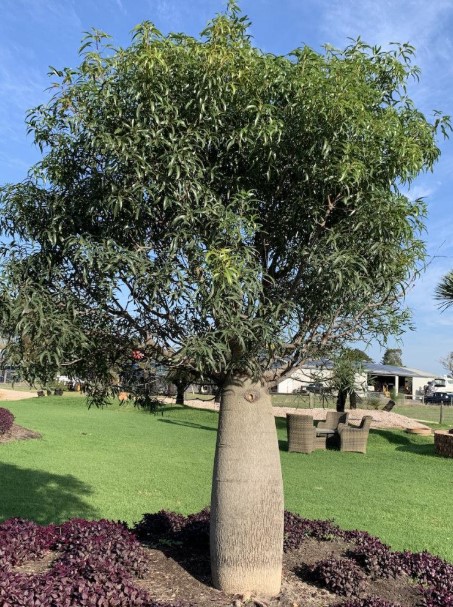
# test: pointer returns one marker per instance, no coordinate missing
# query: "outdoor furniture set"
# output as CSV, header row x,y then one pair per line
x,y
305,437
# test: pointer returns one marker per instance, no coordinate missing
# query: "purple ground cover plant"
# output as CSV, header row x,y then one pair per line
x,y
95,563
6,420
341,576
367,602
297,529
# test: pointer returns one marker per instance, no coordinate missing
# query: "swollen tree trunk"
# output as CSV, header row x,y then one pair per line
x,y
247,493
341,400
180,389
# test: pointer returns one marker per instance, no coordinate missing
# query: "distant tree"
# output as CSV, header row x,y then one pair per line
x,y
444,291
213,202
393,356
355,354
447,363
346,366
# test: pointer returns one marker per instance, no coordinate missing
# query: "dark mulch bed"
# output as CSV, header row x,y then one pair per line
x,y
18,433
173,579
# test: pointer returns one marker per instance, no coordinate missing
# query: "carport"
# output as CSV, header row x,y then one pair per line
x,y
403,380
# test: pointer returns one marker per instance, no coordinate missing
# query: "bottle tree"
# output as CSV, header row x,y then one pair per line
x,y
231,213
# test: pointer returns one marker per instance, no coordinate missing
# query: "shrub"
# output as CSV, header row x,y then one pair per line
x,y
6,420
429,570
160,525
62,587
432,597
376,558
94,565
22,540
342,576
80,541
367,602
194,534
297,529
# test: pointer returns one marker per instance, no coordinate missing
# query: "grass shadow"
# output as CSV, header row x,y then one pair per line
x,y
282,445
188,424
41,496
406,443
280,423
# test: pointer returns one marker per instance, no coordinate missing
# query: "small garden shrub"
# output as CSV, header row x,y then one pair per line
x,y
297,529
101,542
94,565
376,558
189,534
6,420
367,602
434,575
160,525
194,535
342,576
432,597
22,541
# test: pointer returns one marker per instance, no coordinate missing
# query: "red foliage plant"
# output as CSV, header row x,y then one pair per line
x,y
6,420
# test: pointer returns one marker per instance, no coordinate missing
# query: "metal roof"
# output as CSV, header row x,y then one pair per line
x,y
380,369
376,368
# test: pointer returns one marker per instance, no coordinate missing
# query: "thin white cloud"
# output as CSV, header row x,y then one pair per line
x,y
61,12
120,5
415,21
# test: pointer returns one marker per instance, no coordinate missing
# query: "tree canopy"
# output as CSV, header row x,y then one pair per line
x,y
393,356
224,209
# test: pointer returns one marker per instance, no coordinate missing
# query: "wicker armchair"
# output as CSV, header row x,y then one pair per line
x,y
302,434
353,438
333,418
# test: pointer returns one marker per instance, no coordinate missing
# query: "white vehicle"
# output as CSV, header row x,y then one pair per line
x,y
440,384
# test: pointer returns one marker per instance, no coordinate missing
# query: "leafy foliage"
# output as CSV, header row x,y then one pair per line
x,y
297,529
96,562
100,541
6,420
393,356
22,540
341,576
376,558
220,207
159,525
367,602
190,534
444,291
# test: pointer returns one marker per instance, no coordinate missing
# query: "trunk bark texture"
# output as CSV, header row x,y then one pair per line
x,y
341,400
180,389
247,493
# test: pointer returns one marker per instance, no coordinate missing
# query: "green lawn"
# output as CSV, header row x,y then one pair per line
x,y
118,463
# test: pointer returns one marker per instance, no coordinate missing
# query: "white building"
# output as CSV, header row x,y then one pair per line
x,y
374,378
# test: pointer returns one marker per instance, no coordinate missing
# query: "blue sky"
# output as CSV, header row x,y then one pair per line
x,y
35,34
